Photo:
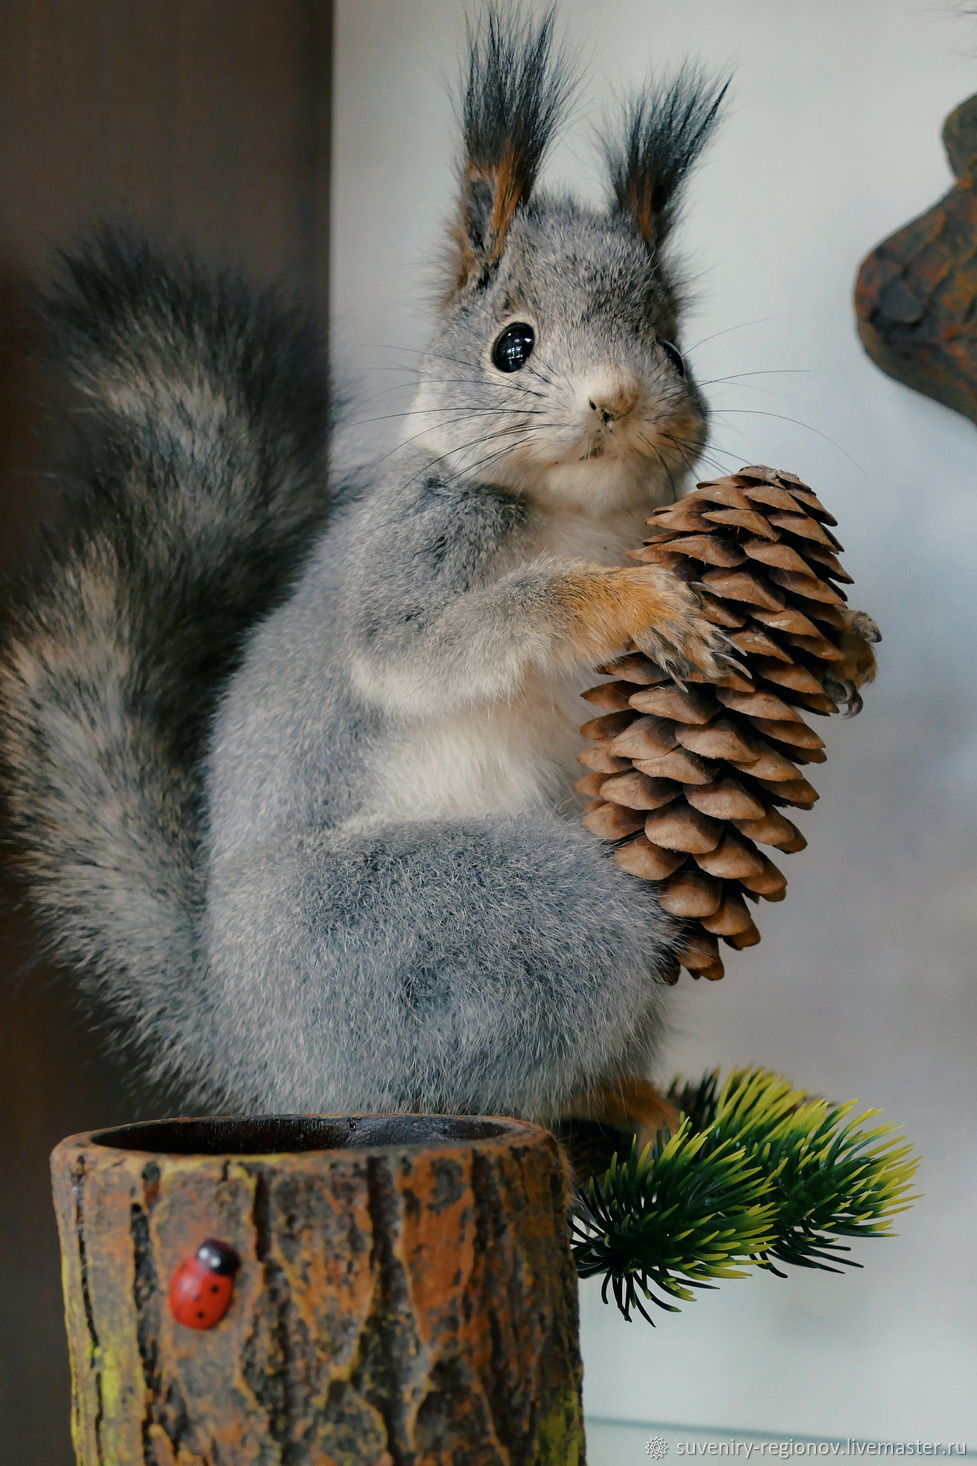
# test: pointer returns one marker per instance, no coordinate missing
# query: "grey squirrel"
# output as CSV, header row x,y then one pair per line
x,y
295,785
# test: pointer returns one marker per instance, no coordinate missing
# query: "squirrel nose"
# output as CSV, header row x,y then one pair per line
x,y
615,402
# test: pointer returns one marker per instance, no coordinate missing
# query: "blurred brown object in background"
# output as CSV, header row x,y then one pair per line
x,y
916,293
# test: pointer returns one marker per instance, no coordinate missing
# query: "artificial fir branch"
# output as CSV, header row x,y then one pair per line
x,y
672,1219
757,1173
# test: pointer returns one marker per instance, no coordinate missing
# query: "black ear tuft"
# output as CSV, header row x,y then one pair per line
x,y
515,94
665,130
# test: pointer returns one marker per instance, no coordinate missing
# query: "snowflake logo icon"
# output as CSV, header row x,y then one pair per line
x,y
656,1448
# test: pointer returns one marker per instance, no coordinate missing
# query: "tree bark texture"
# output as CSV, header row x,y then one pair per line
x,y
405,1294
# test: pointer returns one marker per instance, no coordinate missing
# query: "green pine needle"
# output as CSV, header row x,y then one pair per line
x,y
671,1220
830,1177
757,1173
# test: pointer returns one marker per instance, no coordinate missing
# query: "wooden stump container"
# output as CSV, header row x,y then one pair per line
x,y
405,1293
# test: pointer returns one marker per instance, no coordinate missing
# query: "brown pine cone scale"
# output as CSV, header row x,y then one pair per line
x,y
690,778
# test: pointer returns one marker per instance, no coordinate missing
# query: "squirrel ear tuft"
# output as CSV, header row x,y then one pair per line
x,y
666,128
515,94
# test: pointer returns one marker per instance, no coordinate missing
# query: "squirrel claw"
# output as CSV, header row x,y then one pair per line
x,y
845,693
735,665
668,666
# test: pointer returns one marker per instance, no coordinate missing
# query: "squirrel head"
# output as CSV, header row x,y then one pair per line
x,y
555,369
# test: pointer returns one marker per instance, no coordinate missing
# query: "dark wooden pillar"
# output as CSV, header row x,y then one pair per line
x,y
207,120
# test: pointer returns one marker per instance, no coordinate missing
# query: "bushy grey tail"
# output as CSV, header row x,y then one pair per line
x,y
199,480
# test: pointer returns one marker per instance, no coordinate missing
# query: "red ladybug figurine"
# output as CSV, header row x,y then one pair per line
x,y
201,1290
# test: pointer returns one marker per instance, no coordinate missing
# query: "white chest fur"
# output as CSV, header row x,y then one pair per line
x,y
511,754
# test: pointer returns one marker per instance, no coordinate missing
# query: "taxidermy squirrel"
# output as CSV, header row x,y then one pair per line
x,y
296,789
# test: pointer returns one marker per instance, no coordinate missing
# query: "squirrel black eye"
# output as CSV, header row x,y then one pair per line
x,y
674,356
514,347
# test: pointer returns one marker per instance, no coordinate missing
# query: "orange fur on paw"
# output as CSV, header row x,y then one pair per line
x,y
646,605
856,642
629,1104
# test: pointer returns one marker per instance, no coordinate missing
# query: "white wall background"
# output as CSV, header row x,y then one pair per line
x,y
866,980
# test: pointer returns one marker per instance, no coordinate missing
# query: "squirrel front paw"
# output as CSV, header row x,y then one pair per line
x,y
651,607
672,629
856,643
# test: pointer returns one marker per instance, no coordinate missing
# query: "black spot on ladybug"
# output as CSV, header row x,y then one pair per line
x,y
202,1287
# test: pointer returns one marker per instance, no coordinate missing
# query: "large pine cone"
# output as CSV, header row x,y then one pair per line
x,y
693,778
